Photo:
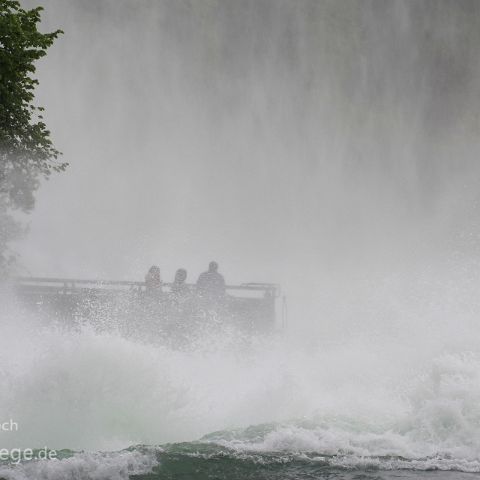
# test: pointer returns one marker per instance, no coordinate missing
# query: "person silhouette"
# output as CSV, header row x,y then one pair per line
x,y
179,288
211,284
153,281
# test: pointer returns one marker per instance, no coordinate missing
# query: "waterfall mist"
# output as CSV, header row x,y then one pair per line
x,y
307,143
330,146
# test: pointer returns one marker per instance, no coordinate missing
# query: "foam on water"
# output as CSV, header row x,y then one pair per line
x,y
83,466
380,394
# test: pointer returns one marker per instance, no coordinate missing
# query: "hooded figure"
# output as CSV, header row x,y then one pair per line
x,y
179,287
211,284
153,281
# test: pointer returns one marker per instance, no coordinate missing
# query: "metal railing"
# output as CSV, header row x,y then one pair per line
x,y
76,284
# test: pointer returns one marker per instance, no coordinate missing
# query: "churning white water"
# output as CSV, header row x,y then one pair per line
x,y
403,381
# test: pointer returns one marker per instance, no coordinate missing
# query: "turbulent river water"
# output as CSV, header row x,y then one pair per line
x,y
375,404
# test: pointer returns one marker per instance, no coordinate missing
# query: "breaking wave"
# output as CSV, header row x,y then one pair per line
x,y
276,404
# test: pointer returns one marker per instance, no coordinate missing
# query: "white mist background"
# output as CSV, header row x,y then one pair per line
x,y
306,143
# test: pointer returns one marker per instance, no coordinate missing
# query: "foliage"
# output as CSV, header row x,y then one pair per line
x,y
27,153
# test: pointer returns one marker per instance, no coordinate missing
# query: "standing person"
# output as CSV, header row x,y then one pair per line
x,y
179,287
211,284
153,281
